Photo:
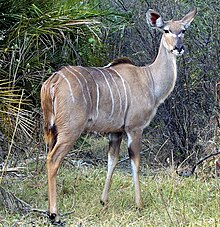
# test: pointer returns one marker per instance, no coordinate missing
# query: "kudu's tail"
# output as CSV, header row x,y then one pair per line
x,y
47,102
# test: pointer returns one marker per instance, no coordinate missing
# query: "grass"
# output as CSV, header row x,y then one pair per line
x,y
169,200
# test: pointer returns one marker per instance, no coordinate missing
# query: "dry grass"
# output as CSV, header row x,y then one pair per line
x,y
169,200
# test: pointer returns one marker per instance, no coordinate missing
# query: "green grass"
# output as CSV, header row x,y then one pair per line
x,y
169,199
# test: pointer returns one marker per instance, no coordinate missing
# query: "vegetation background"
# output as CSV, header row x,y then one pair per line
x,y
37,37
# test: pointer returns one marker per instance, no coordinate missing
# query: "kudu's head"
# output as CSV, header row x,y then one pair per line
x,y
173,31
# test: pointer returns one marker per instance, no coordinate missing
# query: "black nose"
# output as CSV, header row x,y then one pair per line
x,y
179,46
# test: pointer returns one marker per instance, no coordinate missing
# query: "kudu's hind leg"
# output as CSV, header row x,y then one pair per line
x,y
113,156
54,160
134,148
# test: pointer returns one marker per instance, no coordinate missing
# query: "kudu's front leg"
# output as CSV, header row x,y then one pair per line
x,y
113,155
134,148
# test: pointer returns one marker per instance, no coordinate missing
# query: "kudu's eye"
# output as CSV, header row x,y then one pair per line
x,y
166,31
183,31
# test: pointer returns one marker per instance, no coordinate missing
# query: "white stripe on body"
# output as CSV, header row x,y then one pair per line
x,y
78,82
107,66
87,88
120,99
97,91
69,85
123,83
112,98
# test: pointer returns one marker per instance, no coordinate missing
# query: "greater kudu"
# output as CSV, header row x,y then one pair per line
x,y
119,98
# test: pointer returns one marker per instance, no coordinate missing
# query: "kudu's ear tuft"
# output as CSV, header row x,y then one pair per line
x,y
188,18
154,19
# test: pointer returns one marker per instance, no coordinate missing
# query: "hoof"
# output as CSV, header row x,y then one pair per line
x,y
53,218
140,207
102,203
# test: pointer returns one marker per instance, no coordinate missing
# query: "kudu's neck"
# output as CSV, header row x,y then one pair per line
x,y
163,71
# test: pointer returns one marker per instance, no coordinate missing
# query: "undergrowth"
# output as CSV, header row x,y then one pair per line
x,y
169,200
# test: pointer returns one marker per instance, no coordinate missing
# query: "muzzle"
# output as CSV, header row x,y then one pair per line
x,y
179,48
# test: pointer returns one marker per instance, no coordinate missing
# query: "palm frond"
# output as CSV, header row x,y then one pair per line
x,y
11,104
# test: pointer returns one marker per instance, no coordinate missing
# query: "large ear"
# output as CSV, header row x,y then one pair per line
x,y
154,19
188,18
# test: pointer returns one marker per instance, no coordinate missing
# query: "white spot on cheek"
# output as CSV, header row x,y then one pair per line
x,y
173,35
